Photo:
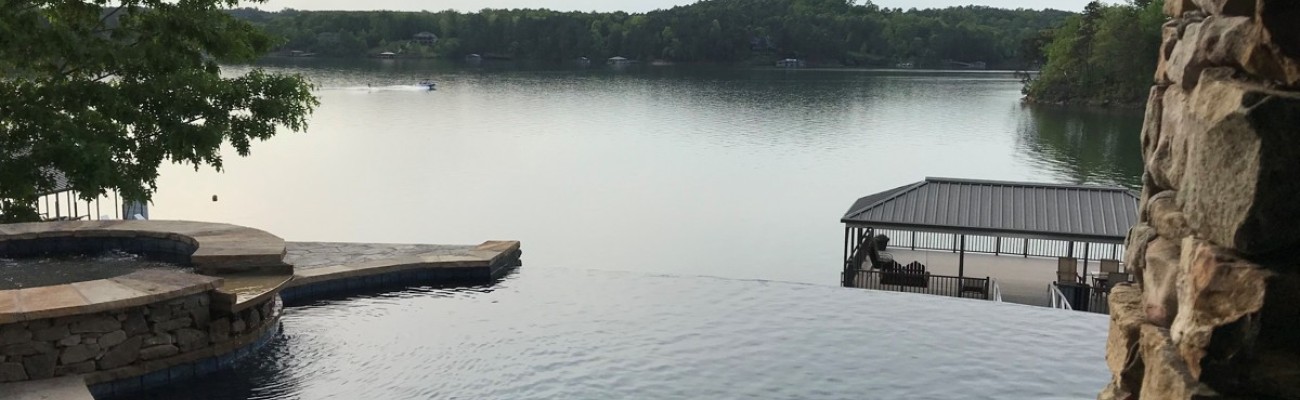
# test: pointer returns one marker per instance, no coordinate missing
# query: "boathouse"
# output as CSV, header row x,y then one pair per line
x,y
1019,230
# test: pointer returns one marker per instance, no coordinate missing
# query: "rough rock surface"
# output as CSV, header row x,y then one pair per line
x,y
121,339
122,355
160,351
1227,7
1216,312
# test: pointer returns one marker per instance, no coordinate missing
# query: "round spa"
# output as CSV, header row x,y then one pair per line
x,y
134,304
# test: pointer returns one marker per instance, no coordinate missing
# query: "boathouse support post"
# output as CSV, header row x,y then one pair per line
x,y
846,278
961,262
1085,262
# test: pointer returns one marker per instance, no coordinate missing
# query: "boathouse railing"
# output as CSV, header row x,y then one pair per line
x,y
856,255
1058,299
1079,298
923,282
1024,247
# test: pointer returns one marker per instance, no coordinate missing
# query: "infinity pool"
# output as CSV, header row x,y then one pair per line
x,y
549,333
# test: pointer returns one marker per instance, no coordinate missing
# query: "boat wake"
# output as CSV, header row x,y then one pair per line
x,y
381,88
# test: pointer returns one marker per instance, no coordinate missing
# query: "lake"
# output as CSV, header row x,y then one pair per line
x,y
740,173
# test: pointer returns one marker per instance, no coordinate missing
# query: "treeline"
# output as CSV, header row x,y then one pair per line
x,y
827,32
1105,56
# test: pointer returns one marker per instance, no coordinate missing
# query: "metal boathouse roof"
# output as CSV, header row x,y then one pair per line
x,y
1019,209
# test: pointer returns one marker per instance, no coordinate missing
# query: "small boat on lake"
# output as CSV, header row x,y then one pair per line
x,y
429,84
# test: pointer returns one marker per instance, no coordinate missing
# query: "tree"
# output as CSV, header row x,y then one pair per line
x,y
1103,56
715,31
102,92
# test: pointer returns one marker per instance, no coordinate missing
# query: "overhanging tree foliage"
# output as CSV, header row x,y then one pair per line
x,y
102,92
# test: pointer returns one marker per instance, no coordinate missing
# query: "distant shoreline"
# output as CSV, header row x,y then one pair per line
x,y
650,64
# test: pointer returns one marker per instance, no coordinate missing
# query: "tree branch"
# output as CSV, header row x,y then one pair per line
x,y
110,14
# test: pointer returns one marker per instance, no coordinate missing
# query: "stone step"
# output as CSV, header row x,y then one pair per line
x,y
61,388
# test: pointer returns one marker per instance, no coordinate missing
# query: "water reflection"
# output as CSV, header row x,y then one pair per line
x,y
1084,145
574,334
690,170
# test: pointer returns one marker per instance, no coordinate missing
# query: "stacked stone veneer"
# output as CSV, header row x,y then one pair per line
x,y
1216,309
126,342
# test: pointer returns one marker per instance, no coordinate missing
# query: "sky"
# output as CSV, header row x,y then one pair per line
x,y
617,5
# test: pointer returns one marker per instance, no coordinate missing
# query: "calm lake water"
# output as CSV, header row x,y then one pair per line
x,y
557,333
681,170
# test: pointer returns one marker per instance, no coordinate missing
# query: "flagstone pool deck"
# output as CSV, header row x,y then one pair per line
x,y
322,268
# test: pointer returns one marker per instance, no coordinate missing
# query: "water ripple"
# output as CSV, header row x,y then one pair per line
x,y
557,334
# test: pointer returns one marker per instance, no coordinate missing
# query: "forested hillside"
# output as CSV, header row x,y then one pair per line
x,y
1105,56
825,32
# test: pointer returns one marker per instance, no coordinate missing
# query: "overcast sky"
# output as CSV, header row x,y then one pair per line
x,y
614,5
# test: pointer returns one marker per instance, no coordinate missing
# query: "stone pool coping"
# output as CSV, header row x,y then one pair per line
x,y
220,247
131,290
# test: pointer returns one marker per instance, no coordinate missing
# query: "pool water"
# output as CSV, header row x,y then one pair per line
x,y
35,272
550,333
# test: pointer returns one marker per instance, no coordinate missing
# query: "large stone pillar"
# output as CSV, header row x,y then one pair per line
x,y
1215,312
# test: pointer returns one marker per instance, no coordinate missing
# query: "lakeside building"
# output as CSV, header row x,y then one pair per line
x,y
791,63
619,61
1032,243
425,38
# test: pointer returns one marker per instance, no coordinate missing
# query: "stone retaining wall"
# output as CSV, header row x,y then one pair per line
x,y
1216,310
120,342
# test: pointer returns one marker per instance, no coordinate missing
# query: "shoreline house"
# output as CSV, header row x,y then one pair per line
x,y
791,63
618,61
425,38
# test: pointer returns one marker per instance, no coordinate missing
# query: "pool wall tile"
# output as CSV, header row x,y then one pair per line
x,y
155,379
128,385
179,372
205,366
101,390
